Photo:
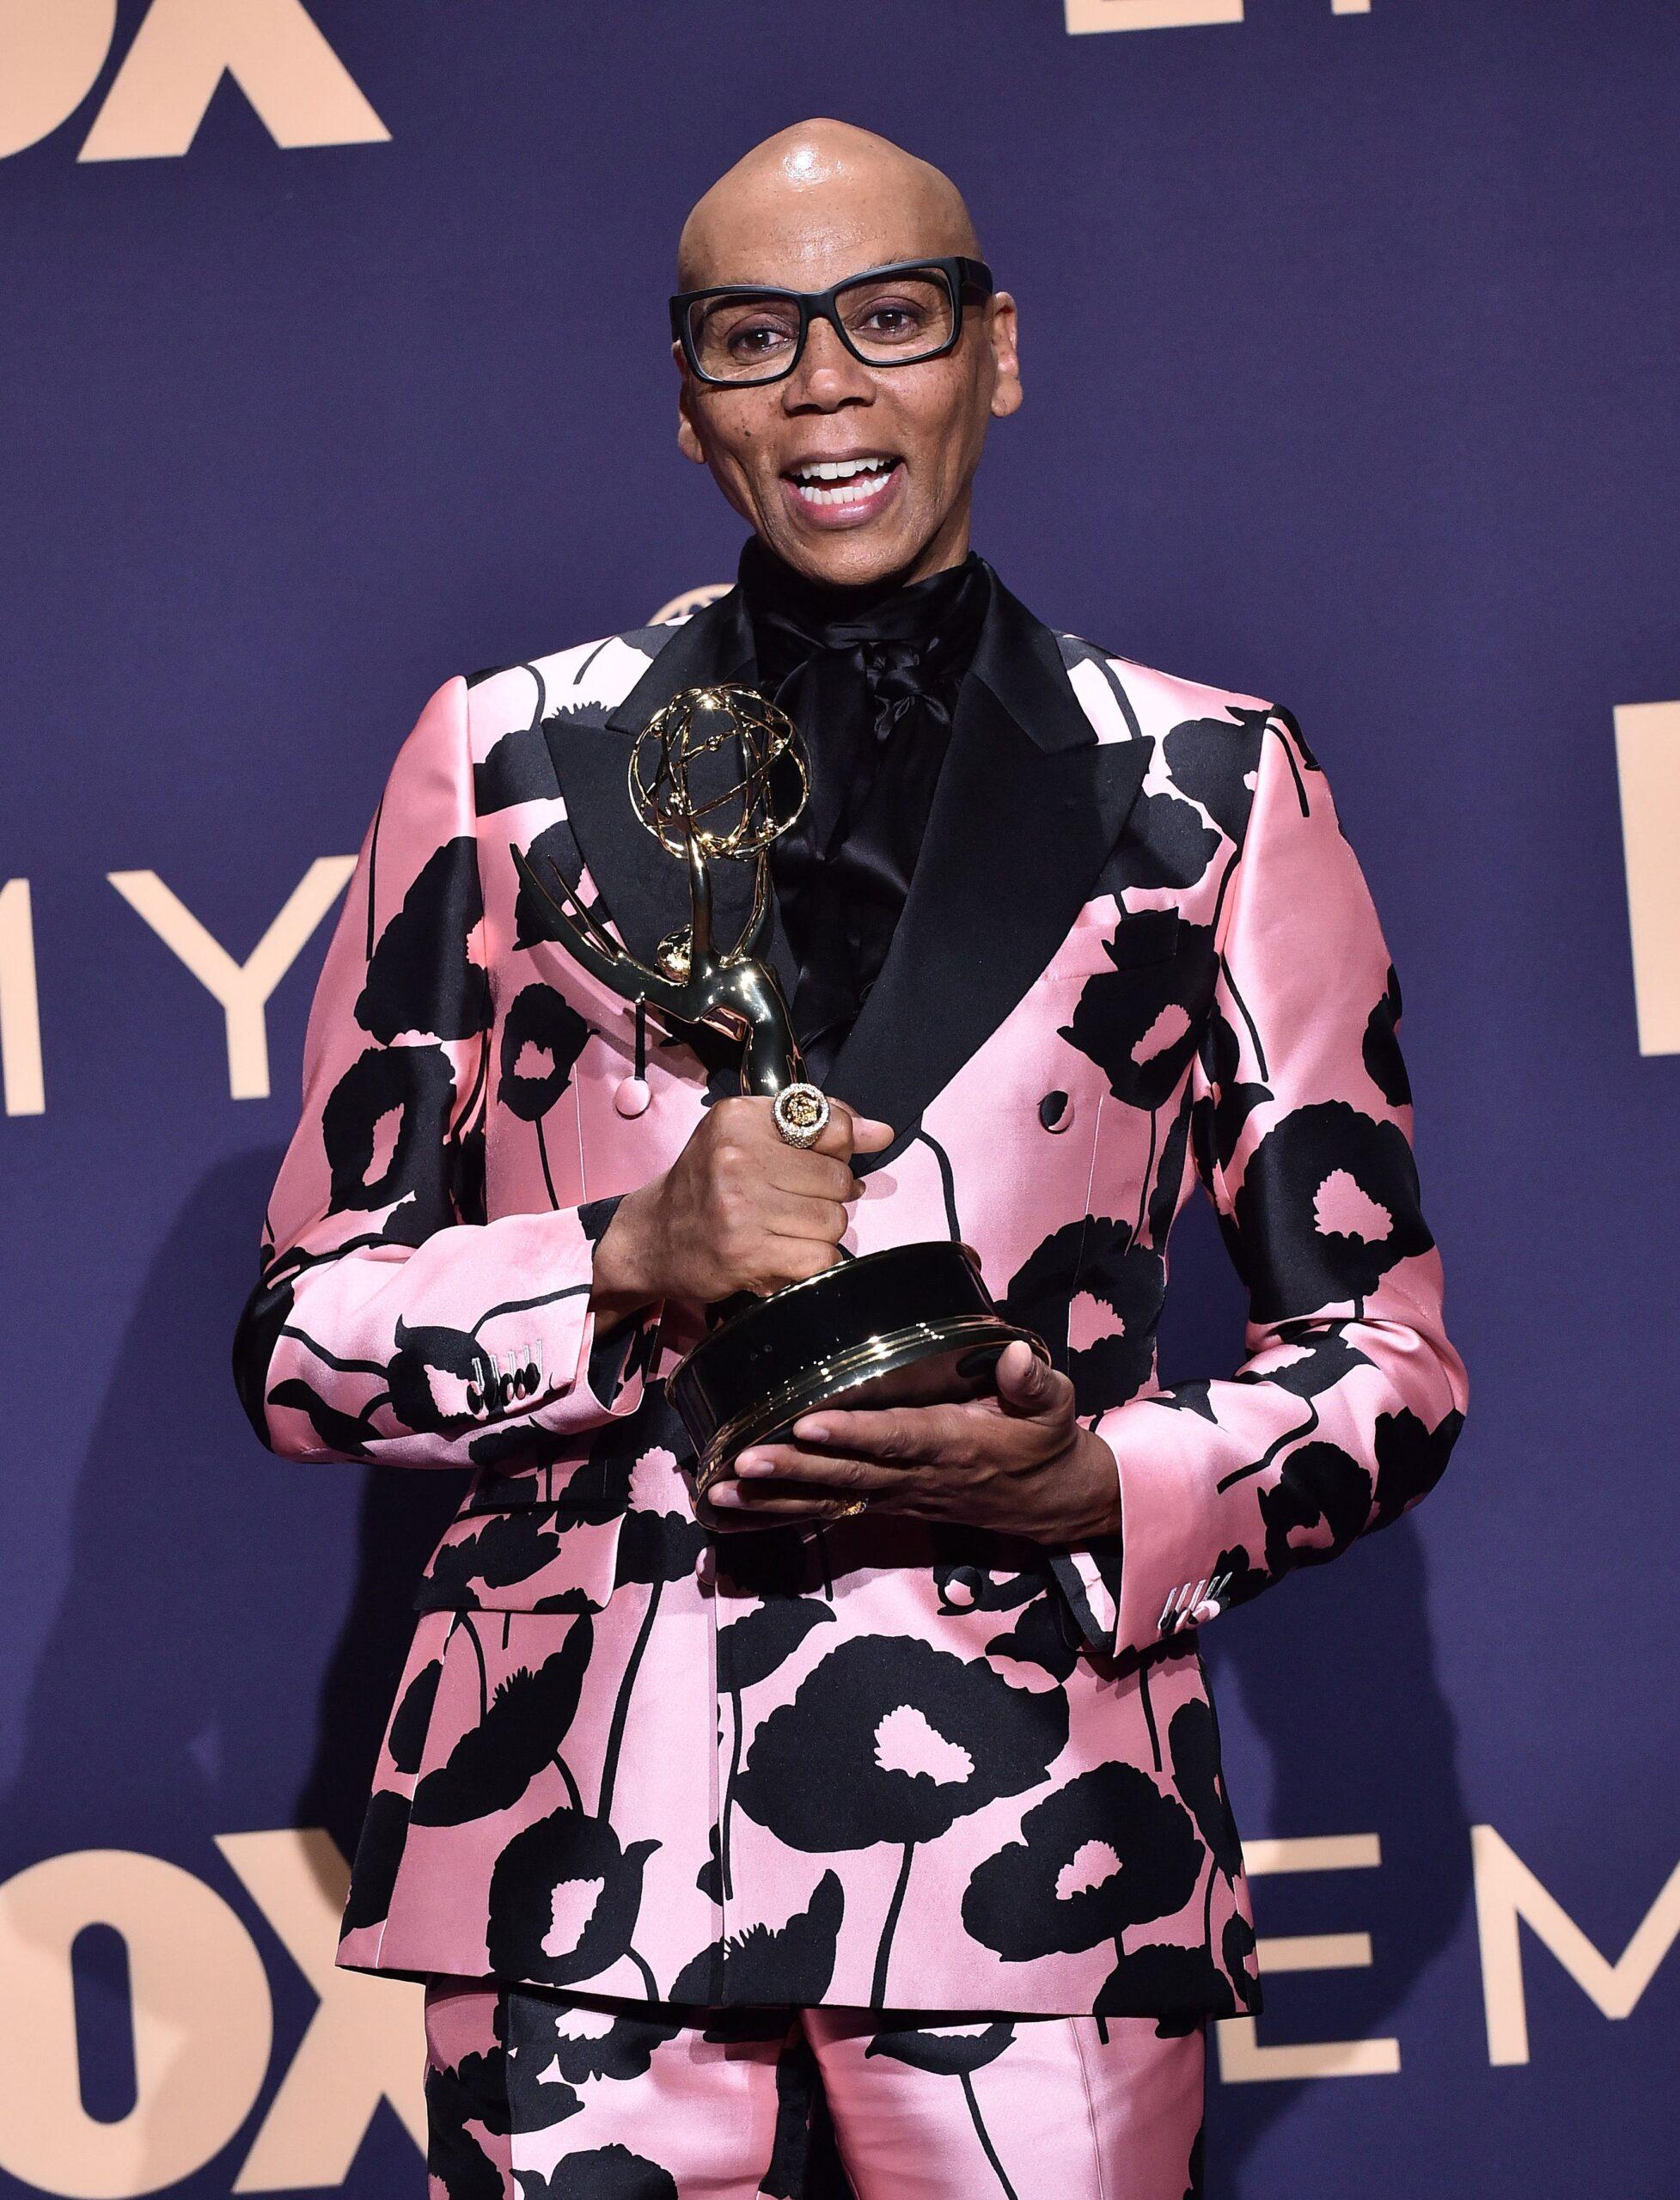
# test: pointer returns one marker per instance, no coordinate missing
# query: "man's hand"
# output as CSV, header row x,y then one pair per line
x,y
1018,1462
739,1209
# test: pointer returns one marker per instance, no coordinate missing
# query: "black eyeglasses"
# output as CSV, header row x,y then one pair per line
x,y
892,316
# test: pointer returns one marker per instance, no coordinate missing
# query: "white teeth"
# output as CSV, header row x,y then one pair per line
x,y
854,480
835,496
841,469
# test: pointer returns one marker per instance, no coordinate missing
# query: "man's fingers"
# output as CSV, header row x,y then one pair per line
x,y
788,1215
942,1432
731,1504
797,1259
1026,1382
869,1135
891,1433
846,1131
811,1174
732,1518
783,1495
791,1467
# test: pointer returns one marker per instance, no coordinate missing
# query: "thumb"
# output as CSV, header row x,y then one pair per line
x,y
1023,1379
868,1134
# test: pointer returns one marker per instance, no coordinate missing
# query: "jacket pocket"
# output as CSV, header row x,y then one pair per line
x,y
525,1558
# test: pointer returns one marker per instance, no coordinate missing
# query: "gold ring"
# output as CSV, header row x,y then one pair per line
x,y
801,1113
852,1505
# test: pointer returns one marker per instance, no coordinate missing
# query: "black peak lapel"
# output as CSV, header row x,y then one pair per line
x,y
645,890
714,643
1026,810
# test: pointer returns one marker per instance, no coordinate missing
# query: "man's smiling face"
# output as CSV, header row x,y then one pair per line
x,y
850,472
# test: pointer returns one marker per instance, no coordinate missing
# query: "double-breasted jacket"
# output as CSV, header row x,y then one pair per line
x,y
886,1764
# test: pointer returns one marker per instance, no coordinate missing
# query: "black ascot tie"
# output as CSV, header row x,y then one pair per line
x,y
870,676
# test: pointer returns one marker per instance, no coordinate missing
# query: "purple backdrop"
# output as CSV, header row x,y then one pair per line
x,y
1349,340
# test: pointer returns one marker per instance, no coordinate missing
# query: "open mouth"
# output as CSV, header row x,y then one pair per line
x,y
835,483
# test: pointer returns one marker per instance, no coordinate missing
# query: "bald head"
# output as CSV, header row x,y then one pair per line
x,y
796,205
810,209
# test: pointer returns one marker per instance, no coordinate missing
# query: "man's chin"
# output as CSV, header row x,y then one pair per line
x,y
852,559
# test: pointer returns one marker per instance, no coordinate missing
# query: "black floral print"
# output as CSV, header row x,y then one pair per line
x,y
420,976
1106,1853
965,1737
518,1736
543,1036
568,1850
1140,1022
1301,1265
1099,1256
405,1092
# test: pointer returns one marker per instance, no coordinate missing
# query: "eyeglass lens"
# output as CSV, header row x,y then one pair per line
x,y
891,320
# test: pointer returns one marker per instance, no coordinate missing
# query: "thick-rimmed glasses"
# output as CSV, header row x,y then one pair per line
x,y
892,316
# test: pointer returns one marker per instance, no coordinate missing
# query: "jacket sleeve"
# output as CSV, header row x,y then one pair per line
x,y
1343,1413
392,1322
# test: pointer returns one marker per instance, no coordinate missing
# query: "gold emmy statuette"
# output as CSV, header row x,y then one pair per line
x,y
720,772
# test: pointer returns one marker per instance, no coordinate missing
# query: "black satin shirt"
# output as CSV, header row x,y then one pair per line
x,y
870,676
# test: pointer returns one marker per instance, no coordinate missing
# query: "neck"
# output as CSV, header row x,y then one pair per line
x,y
769,578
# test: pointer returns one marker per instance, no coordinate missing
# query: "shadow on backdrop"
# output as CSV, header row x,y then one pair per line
x,y
1343,1728
224,1574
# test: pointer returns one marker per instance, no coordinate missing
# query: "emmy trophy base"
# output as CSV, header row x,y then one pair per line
x,y
913,1325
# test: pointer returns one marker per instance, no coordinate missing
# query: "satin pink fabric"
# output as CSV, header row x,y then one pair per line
x,y
933,1769
1045,2108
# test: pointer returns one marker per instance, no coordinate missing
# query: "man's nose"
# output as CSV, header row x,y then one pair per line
x,y
827,375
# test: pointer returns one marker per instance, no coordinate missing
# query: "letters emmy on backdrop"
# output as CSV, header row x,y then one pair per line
x,y
719,772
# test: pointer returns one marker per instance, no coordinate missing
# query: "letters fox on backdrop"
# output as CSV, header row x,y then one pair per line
x,y
337,366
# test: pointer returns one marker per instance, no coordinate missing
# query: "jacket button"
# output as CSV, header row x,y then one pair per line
x,y
1055,1111
633,1096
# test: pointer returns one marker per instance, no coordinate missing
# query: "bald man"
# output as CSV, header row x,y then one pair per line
x,y
858,1825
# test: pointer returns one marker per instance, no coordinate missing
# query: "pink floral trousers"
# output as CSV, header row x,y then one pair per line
x,y
538,2094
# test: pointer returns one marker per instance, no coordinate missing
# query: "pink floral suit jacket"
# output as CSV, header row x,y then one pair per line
x,y
889,1764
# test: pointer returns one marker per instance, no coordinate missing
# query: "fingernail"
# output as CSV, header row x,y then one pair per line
x,y
754,1463
721,1494
814,1432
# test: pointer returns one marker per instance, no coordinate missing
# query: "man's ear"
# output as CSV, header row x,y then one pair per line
x,y
1006,392
688,441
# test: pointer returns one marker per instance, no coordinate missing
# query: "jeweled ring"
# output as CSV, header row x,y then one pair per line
x,y
852,1505
801,1112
